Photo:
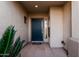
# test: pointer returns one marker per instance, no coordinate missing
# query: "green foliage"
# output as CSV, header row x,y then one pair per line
x,y
9,48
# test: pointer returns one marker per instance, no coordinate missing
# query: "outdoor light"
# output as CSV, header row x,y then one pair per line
x,y
36,6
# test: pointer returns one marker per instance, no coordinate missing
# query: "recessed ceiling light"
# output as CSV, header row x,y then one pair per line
x,y
36,6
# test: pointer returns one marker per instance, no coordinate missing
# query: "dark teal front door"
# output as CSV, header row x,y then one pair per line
x,y
37,30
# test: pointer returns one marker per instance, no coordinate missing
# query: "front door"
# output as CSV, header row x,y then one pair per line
x,y
37,29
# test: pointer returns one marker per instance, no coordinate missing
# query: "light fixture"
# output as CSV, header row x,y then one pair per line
x,y
36,6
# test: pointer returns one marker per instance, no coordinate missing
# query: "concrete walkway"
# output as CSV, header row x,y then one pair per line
x,y
42,50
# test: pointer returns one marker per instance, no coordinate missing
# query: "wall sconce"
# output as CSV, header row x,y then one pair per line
x,y
25,19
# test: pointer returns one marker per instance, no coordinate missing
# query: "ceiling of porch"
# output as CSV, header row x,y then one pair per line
x,y
40,6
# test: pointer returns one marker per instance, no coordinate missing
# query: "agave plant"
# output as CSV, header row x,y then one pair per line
x,y
9,48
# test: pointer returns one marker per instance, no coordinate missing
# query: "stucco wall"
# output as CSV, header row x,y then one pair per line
x,y
56,26
12,13
67,21
75,19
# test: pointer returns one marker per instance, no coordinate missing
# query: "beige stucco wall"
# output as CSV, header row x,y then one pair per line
x,y
75,19
12,13
66,21
56,26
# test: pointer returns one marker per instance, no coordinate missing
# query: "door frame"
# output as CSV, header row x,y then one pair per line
x,y
31,31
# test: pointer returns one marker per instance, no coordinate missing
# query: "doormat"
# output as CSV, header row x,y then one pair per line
x,y
36,43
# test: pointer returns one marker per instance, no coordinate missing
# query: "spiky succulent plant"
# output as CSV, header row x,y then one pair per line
x,y
9,48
